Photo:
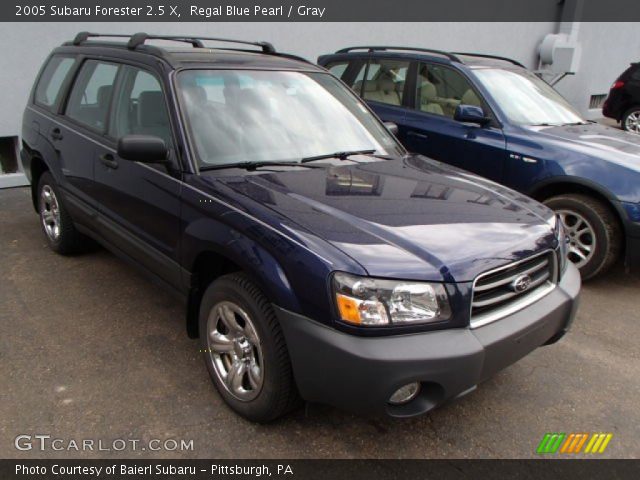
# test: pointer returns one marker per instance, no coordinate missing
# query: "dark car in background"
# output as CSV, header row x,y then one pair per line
x,y
491,116
317,259
623,102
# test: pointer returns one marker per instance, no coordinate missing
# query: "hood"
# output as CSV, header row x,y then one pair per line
x,y
409,218
594,139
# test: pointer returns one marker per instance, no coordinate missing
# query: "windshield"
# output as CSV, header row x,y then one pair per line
x,y
275,116
526,99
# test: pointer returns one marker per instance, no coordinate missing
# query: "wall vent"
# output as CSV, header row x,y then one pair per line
x,y
596,101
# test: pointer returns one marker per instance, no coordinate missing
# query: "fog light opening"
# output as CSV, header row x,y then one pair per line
x,y
405,394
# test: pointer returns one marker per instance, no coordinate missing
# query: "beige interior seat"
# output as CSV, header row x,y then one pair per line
x,y
383,90
470,98
429,97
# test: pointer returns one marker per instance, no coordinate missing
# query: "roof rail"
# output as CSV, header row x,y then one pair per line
x,y
140,38
450,56
494,57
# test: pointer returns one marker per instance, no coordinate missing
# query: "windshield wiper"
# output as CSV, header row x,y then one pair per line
x,y
338,155
254,165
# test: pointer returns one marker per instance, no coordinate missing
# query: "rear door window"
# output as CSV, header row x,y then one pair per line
x,y
51,81
91,94
350,72
384,82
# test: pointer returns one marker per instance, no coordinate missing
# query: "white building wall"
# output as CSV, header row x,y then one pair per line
x,y
607,48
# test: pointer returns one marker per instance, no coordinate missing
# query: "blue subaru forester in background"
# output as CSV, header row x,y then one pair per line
x,y
491,116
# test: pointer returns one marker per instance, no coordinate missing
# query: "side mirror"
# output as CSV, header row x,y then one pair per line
x,y
392,127
143,149
470,114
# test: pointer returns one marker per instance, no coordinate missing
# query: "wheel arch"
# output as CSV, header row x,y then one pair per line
x,y
569,185
37,166
213,262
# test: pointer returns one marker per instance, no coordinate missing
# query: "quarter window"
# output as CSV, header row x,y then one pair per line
x,y
384,82
52,79
338,69
91,94
441,89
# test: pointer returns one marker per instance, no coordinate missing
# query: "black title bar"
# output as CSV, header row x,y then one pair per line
x,y
319,10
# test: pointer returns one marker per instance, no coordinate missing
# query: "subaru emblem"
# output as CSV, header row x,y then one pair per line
x,y
521,283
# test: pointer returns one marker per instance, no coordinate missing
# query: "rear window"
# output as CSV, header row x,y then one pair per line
x,y
52,79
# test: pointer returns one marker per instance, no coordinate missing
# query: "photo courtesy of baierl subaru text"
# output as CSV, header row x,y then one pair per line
x,y
320,239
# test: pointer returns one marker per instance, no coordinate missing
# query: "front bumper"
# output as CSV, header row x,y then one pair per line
x,y
361,373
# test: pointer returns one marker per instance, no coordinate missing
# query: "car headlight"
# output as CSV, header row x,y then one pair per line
x,y
366,301
563,245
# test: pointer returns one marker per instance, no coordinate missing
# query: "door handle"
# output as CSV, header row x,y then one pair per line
x,y
419,135
56,134
108,160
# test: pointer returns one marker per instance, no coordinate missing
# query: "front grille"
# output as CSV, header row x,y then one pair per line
x,y
495,294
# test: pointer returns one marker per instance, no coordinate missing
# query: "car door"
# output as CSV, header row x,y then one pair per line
x,y
379,81
382,86
78,133
429,127
139,204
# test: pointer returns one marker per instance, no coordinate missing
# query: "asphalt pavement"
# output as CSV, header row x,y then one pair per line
x,y
91,350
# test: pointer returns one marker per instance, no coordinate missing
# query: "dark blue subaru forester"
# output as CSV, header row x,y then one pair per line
x,y
317,259
491,116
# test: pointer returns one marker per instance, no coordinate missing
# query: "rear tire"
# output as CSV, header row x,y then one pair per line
x,y
245,351
56,223
631,120
595,236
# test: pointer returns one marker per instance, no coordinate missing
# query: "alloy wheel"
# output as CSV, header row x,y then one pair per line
x,y
50,213
581,237
235,350
632,122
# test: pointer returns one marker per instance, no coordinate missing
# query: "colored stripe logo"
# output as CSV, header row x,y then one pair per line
x,y
552,443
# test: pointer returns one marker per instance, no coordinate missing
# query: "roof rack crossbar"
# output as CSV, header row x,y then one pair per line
x,y
140,38
84,36
378,48
494,57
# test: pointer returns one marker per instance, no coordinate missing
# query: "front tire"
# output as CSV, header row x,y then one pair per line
x,y
631,120
56,223
594,234
245,351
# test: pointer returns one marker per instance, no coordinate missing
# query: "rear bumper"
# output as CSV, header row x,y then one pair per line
x,y
361,373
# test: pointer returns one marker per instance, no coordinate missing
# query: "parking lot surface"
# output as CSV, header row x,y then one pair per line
x,y
90,349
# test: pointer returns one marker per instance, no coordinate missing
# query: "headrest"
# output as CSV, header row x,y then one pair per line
x,y
387,84
151,109
428,90
103,95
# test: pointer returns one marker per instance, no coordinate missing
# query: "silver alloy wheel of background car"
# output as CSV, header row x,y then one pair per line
x,y
632,122
581,237
50,213
235,350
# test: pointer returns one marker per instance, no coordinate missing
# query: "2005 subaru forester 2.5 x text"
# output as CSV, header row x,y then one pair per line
x,y
318,260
